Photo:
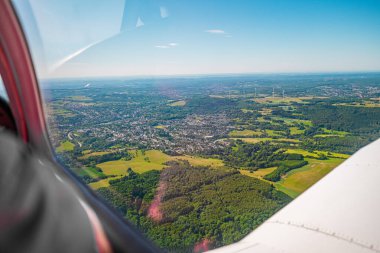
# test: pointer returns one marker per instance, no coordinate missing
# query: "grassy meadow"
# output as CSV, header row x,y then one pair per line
x,y
65,146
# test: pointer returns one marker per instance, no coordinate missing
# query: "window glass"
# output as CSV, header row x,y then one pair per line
x,y
6,117
198,120
3,92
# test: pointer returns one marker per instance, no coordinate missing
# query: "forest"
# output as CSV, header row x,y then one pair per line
x,y
357,120
185,205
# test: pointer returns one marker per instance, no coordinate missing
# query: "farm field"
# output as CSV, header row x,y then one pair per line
x,y
260,173
65,146
102,183
331,133
64,112
296,131
199,161
244,133
80,98
152,160
90,171
298,180
280,100
89,154
370,104
247,110
317,153
256,140
292,121
178,103
274,133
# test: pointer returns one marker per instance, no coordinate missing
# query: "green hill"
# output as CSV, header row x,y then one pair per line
x,y
184,205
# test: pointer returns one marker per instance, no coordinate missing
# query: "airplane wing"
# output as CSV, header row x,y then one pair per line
x,y
340,213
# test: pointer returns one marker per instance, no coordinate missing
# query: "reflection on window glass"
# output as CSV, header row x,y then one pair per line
x,y
198,120
3,92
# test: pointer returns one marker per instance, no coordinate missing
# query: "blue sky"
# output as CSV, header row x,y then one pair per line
x,y
153,37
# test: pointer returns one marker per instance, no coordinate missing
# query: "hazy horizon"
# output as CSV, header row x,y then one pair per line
x,y
221,75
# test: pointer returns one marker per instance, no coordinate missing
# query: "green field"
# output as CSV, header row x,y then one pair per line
x,y
326,135
244,133
333,154
266,111
96,174
291,122
273,133
369,104
199,161
296,131
256,140
298,180
262,120
302,152
331,133
65,146
64,112
216,96
89,154
247,110
152,160
260,173
285,100
317,153
277,100
89,171
178,103
80,98
102,183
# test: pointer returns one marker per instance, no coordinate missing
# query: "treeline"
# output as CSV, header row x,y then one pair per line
x,y
95,159
207,105
284,168
360,120
278,111
132,194
263,155
90,174
252,156
256,156
347,144
197,105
